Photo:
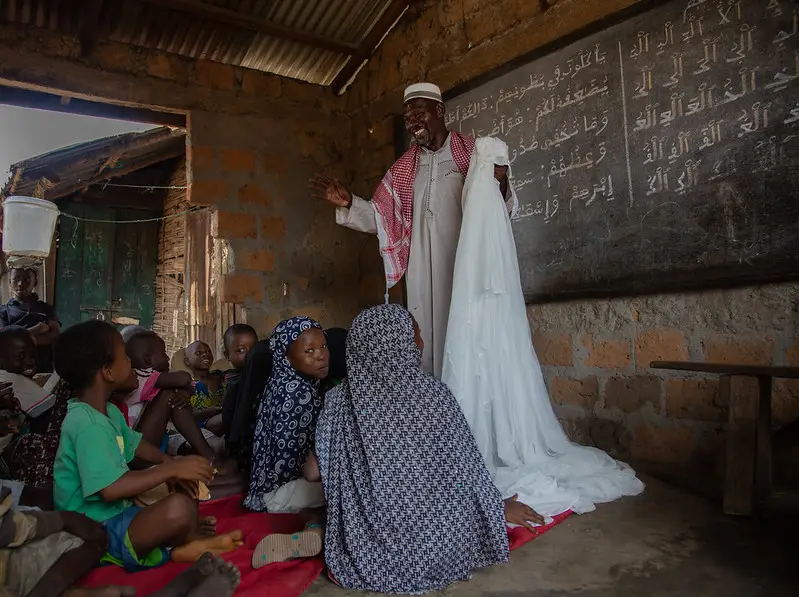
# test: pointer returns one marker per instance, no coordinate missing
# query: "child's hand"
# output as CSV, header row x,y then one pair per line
x,y
10,423
179,399
191,468
84,528
8,401
521,514
39,329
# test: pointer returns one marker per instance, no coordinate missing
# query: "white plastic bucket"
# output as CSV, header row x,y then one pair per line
x,y
28,226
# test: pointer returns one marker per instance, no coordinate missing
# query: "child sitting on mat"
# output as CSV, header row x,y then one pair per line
x,y
161,396
284,432
207,398
18,366
91,469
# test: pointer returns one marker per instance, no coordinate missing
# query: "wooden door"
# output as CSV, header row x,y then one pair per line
x,y
106,270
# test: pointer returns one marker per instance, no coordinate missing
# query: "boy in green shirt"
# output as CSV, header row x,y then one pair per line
x,y
91,471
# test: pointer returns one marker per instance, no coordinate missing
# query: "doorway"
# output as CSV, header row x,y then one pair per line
x,y
104,270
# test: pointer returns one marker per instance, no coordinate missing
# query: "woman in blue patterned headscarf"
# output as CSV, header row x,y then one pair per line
x,y
411,506
286,422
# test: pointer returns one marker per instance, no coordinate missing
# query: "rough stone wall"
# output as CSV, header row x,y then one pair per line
x,y
595,354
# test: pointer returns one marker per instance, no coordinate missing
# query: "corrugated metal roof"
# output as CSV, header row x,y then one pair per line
x,y
74,167
144,24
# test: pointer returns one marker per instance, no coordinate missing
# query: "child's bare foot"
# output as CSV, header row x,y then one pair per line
x,y
101,592
205,567
279,548
213,545
207,526
222,584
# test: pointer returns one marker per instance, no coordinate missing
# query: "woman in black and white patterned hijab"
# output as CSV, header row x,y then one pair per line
x,y
411,505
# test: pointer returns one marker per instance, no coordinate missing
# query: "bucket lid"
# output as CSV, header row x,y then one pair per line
x,y
44,203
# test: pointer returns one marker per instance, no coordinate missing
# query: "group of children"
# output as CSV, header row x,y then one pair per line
x,y
122,449
139,445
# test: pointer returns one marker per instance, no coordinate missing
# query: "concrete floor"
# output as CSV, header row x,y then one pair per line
x,y
664,543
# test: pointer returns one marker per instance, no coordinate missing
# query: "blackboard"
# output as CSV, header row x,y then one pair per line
x,y
660,153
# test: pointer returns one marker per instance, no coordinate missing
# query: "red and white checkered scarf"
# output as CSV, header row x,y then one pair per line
x,y
393,202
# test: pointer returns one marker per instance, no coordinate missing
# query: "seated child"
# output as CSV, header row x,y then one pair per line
x,y
394,451
29,455
41,553
91,469
26,310
45,553
284,432
238,341
206,400
18,366
161,396
243,413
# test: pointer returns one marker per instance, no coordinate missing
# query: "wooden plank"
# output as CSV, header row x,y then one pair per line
x,y
29,98
763,460
727,368
209,12
739,475
370,43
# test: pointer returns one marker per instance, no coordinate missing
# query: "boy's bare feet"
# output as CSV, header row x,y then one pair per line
x,y
101,592
222,583
207,526
279,548
214,545
204,567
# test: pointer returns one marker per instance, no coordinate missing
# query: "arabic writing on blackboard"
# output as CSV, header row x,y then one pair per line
x,y
665,112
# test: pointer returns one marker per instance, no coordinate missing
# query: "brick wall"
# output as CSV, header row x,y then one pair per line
x,y
286,254
595,354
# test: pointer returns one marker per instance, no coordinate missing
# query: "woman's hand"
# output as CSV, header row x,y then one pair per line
x,y
521,514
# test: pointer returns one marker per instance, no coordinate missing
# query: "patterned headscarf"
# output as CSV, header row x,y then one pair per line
x,y
287,414
398,461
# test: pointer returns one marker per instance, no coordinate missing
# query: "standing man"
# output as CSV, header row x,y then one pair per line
x,y
416,214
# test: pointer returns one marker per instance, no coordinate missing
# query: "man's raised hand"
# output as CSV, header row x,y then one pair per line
x,y
331,190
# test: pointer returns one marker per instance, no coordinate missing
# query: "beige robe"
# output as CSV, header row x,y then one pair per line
x,y
437,216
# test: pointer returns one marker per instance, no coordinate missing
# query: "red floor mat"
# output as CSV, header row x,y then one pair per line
x,y
287,579
519,535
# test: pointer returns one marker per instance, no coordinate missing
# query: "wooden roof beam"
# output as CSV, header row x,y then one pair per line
x,y
90,26
209,12
132,166
370,43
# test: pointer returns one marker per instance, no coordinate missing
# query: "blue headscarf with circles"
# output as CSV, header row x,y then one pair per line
x,y
290,405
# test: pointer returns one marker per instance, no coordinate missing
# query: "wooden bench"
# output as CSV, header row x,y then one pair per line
x,y
747,475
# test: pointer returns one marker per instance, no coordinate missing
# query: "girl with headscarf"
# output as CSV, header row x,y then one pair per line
x,y
286,421
411,506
